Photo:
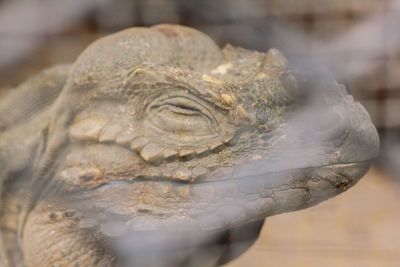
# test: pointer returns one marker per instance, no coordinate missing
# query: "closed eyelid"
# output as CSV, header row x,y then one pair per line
x,y
179,116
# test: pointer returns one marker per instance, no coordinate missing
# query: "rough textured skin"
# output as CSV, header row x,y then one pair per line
x,y
157,148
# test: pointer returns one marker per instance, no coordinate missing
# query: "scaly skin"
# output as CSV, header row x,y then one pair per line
x,y
157,148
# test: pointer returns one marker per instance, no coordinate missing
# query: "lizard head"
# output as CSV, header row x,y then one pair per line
x,y
166,131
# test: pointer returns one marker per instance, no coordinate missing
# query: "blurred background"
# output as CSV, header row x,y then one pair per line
x,y
357,40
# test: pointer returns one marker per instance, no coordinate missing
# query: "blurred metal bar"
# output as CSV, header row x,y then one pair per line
x,y
24,24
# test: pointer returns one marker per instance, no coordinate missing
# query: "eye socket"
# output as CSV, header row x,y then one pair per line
x,y
183,119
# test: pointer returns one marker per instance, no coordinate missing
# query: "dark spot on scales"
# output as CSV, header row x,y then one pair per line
x,y
343,185
144,210
52,216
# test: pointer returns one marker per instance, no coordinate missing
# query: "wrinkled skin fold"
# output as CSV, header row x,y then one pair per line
x,y
158,148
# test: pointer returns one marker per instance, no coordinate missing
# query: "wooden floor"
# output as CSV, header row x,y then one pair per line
x,y
361,227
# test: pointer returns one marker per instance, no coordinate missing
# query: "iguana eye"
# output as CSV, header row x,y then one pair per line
x,y
182,119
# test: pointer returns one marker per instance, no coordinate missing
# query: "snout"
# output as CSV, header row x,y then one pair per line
x,y
362,141
348,127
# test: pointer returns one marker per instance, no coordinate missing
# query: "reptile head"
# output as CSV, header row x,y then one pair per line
x,y
165,131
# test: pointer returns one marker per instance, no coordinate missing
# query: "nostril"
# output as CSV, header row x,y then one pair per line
x,y
329,126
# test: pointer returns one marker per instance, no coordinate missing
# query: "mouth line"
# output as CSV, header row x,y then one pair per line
x,y
293,170
265,175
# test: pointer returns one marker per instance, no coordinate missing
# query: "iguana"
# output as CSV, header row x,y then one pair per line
x,y
158,148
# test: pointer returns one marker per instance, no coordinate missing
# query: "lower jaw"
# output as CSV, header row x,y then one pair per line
x,y
169,248
235,201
